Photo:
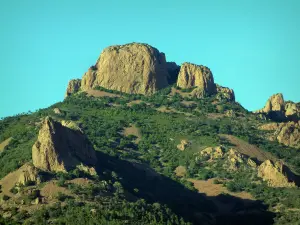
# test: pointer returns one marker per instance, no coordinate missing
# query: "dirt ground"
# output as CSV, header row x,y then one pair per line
x,y
188,103
210,189
50,190
133,130
180,171
97,93
9,181
248,149
4,144
80,181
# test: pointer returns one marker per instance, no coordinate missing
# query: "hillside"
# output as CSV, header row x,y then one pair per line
x,y
171,153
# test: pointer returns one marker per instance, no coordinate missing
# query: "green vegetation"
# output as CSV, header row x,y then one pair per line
x,y
137,184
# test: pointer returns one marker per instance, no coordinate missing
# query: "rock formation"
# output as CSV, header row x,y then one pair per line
x,y
73,86
183,145
279,110
289,134
28,173
191,75
269,126
213,153
59,148
273,174
286,133
131,68
292,111
224,93
57,111
71,124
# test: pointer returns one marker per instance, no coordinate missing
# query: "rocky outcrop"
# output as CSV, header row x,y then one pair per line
x,y
224,93
57,111
71,124
73,87
201,79
59,148
183,145
289,134
269,126
132,68
213,152
191,75
285,133
235,159
279,110
28,173
273,174
292,111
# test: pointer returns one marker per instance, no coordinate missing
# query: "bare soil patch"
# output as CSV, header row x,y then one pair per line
x,y
188,103
215,115
80,181
183,94
97,93
134,102
133,130
4,144
180,171
51,190
209,189
248,149
9,181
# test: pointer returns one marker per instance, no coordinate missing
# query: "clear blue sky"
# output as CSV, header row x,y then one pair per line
x,y
251,46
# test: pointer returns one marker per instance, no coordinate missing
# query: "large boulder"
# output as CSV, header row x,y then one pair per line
x,y
191,75
60,148
73,86
132,68
273,174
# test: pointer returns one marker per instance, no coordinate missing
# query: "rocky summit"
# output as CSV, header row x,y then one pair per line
x,y
132,68
60,148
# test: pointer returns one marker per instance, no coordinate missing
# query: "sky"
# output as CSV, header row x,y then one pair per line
x,y
250,46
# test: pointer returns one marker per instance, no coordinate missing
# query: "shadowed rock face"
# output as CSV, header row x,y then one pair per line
x,y
132,68
191,75
60,148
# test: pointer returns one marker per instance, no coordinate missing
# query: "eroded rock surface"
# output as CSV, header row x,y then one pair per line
x,y
191,75
73,86
213,152
273,174
59,148
132,68
279,110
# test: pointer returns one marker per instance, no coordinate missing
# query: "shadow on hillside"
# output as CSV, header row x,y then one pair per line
x,y
192,206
